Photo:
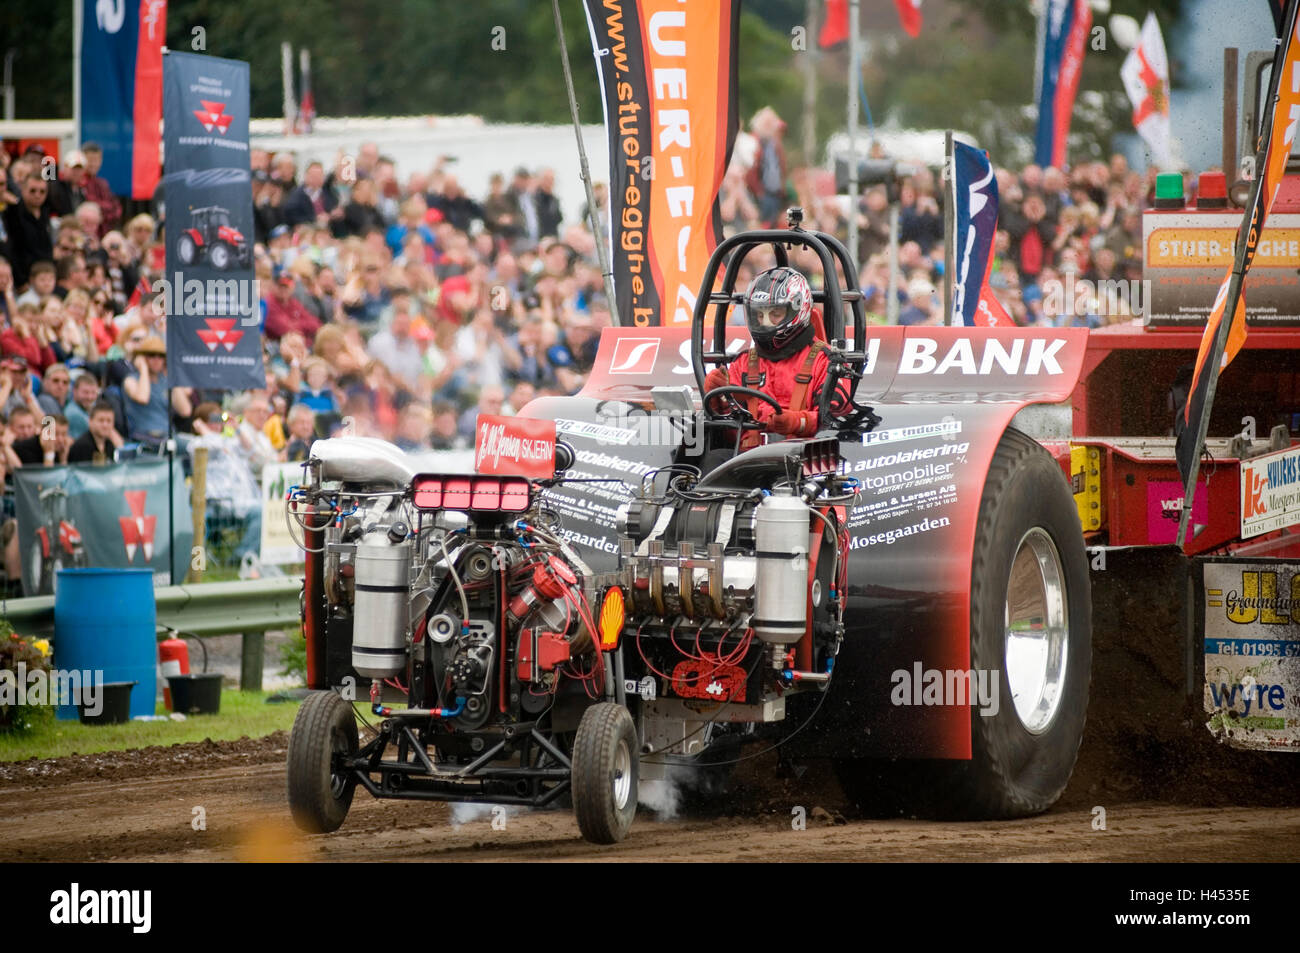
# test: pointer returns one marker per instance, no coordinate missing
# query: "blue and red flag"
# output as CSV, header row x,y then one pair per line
x,y
975,197
1068,23
121,89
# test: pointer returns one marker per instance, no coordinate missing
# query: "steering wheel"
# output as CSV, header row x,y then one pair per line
x,y
742,417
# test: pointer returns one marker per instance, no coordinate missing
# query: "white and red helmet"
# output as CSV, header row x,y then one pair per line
x,y
778,307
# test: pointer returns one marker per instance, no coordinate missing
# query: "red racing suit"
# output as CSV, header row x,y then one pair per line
x,y
799,378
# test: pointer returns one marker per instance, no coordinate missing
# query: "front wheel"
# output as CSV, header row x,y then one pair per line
x,y
320,787
605,773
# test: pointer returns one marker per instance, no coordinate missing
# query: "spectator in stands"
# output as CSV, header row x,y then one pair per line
x,y
147,407
395,348
98,445
54,389
546,205
47,447
302,433
285,313
8,300
85,394
28,226
313,201
98,191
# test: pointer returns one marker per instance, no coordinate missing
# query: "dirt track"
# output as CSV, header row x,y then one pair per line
x,y
139,806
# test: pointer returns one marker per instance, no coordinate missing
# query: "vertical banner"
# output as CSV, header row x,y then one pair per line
x,y
1224,336
975,198
121,89
213,339
110,517
669,91
1066,38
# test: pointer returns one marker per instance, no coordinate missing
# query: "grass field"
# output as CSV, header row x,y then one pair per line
x,y
242,713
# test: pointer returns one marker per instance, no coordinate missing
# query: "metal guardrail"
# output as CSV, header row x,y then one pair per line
x,y
211,608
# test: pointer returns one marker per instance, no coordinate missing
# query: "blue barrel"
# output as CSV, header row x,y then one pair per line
x,y
104,624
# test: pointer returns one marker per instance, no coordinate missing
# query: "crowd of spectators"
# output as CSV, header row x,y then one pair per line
x,y
393,304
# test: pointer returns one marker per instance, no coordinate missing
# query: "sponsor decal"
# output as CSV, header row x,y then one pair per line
x,y
1270,488
1165,509
920,356
888,537
1252,644
514,446
595,431
941,429
634,356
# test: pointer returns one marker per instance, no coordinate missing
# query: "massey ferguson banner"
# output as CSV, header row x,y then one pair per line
x,y
110,517
213,340
668,86
1067,26
121,89
975,197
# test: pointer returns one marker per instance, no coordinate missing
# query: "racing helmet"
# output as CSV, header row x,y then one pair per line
x,y
778,307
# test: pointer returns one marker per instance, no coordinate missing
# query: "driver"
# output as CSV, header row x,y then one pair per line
x,y
785,360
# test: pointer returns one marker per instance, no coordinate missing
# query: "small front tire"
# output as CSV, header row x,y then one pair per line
x,y
320,791
605,763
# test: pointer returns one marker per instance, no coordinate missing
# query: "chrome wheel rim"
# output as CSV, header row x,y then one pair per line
x,y
1036,625
622,780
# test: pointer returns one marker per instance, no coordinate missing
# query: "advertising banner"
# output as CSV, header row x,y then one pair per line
x,y
1270,491
669,91
1252,652
112,517
1186,253
213,339
121,89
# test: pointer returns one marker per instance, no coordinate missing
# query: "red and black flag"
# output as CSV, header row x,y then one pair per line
x,y
670,94
1224,336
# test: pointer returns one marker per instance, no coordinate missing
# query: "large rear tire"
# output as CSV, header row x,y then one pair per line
x,y
1031,627
320,794
605,754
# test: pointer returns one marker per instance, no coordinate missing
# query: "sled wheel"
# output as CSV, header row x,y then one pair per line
x,y
605,773
220,256
186,250
1030,626
320,791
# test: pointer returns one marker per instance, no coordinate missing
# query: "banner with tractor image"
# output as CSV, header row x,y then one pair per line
x,y
1252,652
101,516
213,336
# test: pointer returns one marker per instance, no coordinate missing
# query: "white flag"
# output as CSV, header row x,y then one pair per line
x,y
1146,80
